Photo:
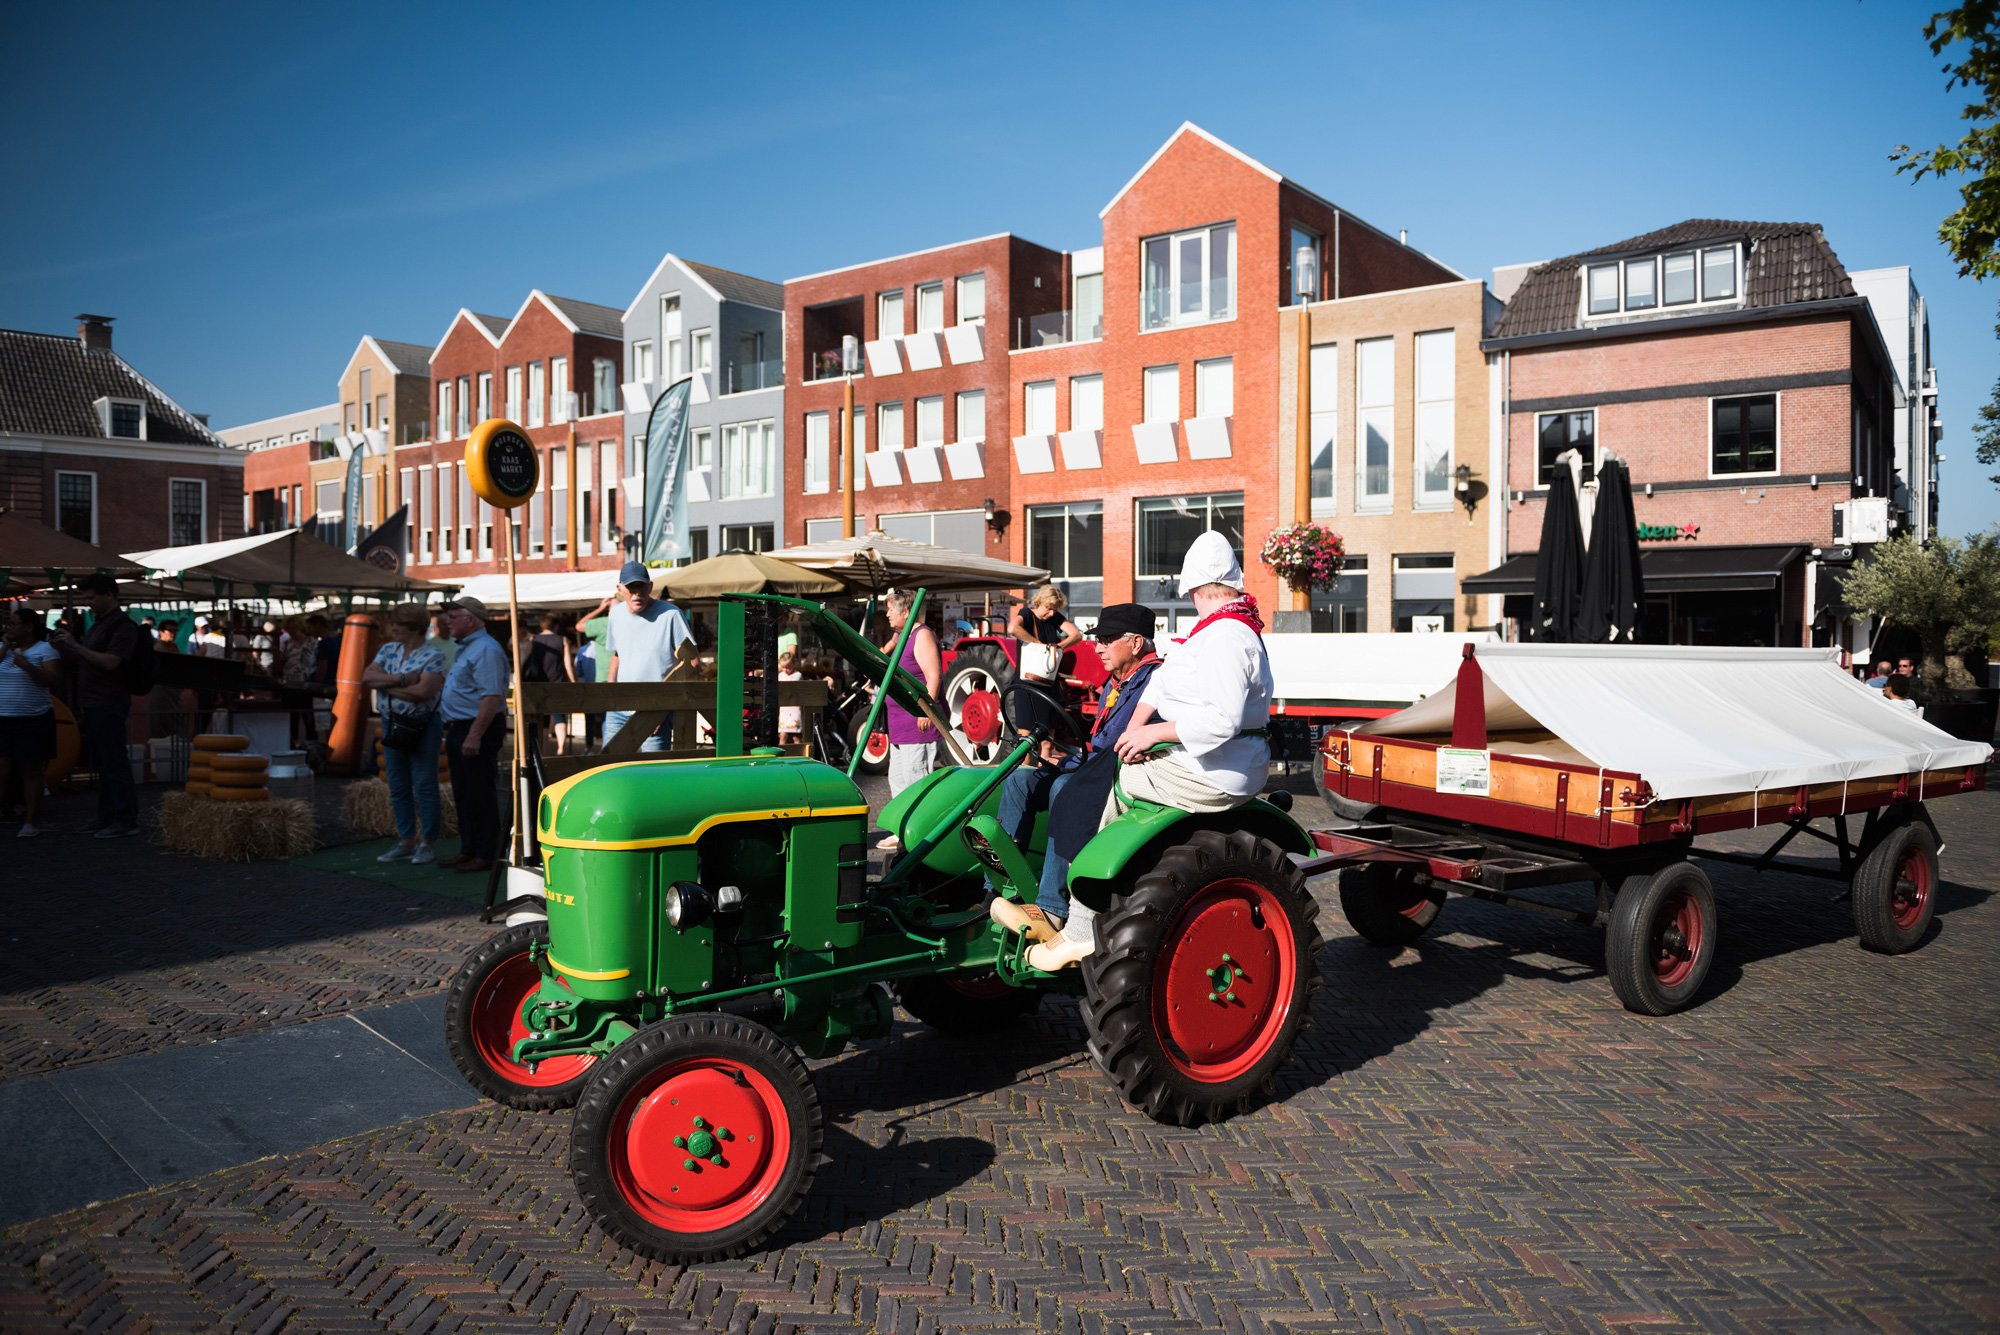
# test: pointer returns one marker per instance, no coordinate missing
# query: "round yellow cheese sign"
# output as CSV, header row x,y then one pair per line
x,y
502,464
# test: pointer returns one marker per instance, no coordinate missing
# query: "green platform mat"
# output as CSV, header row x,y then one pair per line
x,y
359,860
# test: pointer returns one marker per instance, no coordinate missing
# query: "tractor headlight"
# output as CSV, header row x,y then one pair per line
x,y
688,905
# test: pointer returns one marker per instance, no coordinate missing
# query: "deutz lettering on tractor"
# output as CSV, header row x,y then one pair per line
x,y
711,920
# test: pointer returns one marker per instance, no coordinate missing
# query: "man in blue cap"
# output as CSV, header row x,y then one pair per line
x,y
644,635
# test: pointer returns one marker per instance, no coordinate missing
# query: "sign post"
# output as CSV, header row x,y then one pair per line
x,y
505,469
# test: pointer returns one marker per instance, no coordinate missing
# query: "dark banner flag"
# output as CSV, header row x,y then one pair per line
x,y
665,537
388,547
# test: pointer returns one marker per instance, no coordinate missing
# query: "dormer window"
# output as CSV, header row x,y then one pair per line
x,y
122,419
1651,282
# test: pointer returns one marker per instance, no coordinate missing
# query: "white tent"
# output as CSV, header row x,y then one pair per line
x,y
553,591
1697,722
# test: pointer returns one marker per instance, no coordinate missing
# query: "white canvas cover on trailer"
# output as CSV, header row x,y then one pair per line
x,y
1697,722
1367,666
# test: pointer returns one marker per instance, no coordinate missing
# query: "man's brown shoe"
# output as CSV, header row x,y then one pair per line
x,y
474,865
450,862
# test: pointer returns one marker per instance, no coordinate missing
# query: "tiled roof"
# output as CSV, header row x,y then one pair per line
x,y
494,325
741,286
1789,262
590,317
50,383
407,358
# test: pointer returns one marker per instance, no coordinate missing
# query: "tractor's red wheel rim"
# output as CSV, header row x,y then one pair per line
x,y
979,717
979,986
1222,989
877,750
497,1026
700,1144
1911,894
1676,938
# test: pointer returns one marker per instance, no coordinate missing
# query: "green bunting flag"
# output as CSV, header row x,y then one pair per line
x,y
261,590
217,585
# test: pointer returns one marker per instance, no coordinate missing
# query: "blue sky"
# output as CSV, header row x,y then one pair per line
x,y
250,188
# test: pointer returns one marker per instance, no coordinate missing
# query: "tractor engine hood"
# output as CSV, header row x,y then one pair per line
x,y
654,803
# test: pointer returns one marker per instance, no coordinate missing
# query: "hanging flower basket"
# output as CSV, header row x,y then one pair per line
x,y
1305,555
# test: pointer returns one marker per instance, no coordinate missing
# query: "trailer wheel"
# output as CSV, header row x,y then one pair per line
x,y
875,755
1895,889
1661,939
1202,978
482,1022
697,1138
1385,904
965,1003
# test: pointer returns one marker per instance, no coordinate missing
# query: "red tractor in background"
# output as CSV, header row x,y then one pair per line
x,y
976,670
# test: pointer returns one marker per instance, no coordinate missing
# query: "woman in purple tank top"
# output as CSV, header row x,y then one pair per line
x,y
913,738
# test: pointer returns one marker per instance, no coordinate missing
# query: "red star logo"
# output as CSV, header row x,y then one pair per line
x,y
1689,530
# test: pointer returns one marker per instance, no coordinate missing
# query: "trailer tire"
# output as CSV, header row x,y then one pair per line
x,y
726,1085
965,1003
1895,889
1383,902
482,1021
1159,1006
1347,808
1661,940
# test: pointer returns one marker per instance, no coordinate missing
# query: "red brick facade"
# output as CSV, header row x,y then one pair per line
x,y
131,487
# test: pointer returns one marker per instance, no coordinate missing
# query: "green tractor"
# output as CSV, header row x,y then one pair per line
x,y
712,922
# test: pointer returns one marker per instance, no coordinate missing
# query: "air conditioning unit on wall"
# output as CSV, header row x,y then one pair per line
x,y
1862,520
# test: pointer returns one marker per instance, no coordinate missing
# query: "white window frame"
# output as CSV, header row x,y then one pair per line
x,y
201,530
642,362
104,406
818,478
1738,267
753,441
1777,430
970,411
444,410
515,384
1535,439
426,514
1435,417
884,438
62,473
930,420
558,391
883,302
1323,425
701,350
603,386
447,502
467,513
1038,408
701,448
1383,416
673,360
537,394
968,282
463,421
485,396
933,294
1215,387
1175,317
1087,390
1151,395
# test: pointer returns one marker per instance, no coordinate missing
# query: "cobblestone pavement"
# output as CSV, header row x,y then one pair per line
x,y
1476,1137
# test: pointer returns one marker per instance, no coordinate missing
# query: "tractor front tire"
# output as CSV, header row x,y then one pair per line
x,y
482,1022
697,1138
1202,978
976,680
965,1003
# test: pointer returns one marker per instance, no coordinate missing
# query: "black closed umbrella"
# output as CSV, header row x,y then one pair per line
x,y
1613,592
1558,563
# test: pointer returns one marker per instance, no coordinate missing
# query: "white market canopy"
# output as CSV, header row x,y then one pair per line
x,y
876,561
288,559
1697,722
554,591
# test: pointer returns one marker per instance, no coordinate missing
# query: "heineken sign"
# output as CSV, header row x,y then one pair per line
x,y
1667,532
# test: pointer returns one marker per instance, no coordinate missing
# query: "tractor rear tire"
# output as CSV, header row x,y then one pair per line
x,y
1218,915
965,1003
1895,889
697,1138
482,1022
1383,902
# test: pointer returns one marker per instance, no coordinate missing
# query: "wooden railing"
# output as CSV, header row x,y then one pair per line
x,y
651,703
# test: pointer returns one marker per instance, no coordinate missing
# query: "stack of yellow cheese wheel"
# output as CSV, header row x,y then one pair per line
x,y
241,778
201,764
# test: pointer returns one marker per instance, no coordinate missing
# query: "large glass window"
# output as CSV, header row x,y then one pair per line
x,y
1086,403
1603,289
1557,432
76,505
889,314
971,415
1188,277
746,459
1745,439
1068,542
1087,306
1167,526
1423,589
1375,420
888,427
1325,367
1163,393
1038,408
930,420
930,306
740,538
604,385
1343,605
1215,387
972,298
1639,288
1718,273
1660,280
960,530
1436,370
1677,278
819,452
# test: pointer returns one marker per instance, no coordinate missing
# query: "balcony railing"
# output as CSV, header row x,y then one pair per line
x,y
740,377
1057,328
823,365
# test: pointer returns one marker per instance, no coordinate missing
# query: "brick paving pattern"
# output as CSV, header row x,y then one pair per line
x,y
1475,1138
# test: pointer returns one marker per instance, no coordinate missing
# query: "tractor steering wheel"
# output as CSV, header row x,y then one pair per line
x,y
1062,727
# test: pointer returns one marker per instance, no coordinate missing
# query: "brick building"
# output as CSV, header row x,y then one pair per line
x,y
1746,385
553,370
91,447
277,486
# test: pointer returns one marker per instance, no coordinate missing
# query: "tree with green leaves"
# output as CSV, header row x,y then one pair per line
x,y
1946,590
1972,231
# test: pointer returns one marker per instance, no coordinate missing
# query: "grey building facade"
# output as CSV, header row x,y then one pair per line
x,y
727,331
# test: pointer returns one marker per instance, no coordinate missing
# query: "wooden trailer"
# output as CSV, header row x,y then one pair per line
x,y
1551,764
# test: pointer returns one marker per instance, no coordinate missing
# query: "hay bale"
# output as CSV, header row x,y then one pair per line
x,y
237,831
367,809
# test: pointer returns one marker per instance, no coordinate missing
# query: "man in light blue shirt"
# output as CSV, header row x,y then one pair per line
x,y
475,693
644,635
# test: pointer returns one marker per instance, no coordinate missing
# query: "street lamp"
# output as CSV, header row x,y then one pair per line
x,y
1305,274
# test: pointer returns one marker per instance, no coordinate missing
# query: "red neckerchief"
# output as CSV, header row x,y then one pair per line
x,y
1243,609
1109,700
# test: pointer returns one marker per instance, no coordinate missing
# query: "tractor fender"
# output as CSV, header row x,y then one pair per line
x,y
1141,834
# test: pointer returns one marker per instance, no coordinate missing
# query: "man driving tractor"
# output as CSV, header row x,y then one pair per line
x,y
1210,701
